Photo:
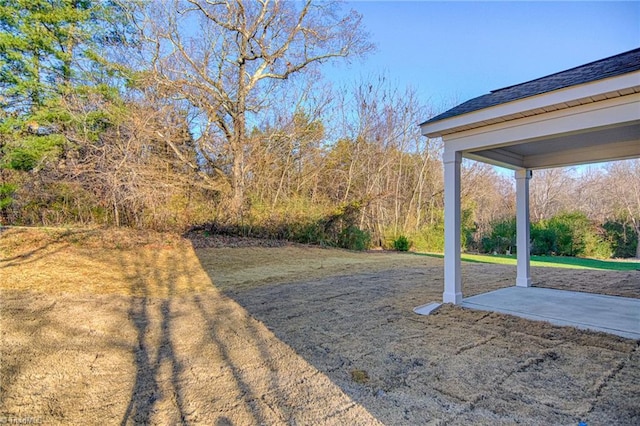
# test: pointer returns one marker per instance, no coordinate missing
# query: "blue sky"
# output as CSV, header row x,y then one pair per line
x,y
453,51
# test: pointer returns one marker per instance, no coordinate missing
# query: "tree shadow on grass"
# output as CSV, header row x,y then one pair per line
x,y
44,247
458,365
216,334
233,356
154,345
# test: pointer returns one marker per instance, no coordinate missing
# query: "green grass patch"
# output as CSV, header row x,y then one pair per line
x,y
551,261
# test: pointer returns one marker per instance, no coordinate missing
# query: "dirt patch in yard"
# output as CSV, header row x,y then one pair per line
x,y
98,328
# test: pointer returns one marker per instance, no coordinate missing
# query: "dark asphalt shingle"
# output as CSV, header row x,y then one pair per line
x,y
609,67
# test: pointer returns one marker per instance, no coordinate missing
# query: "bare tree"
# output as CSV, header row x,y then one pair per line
x,y
623,185
136,163
590,194
487,196
380,161
551,193
226,58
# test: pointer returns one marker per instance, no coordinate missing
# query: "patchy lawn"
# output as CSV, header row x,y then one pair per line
x,y
123,327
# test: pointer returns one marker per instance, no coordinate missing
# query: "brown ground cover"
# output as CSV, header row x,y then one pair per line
x,y
104,327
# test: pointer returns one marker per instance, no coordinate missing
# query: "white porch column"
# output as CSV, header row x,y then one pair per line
x,y
452,274
523,277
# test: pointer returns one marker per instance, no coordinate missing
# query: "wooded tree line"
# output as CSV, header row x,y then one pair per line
x,y
589,211
166,115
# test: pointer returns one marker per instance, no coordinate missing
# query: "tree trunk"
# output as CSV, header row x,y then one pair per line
x,y
237,175
636,227
237,150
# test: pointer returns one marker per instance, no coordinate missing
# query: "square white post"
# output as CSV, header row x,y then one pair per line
x,y
452,273
523,277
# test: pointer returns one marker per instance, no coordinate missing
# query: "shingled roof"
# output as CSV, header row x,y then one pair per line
x,y
609,67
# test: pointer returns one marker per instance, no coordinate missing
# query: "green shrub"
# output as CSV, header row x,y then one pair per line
x,y
401,243
309,233
6,194
622,238
353,238
20,159
468,229
430,239
28,152
502,237
569,234
543,240
567,240
596,247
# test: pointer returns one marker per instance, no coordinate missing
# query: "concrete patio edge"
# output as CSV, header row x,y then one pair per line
x,y
608,314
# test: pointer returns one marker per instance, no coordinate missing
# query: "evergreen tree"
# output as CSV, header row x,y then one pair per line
x,y
48,49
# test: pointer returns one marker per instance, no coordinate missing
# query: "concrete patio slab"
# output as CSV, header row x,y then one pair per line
x,y
609,314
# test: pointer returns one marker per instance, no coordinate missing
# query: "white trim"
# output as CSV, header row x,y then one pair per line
x,y
523,275
452,261
610,112
595,89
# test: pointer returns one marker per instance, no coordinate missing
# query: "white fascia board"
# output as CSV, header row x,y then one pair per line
x,y
610,112
569,94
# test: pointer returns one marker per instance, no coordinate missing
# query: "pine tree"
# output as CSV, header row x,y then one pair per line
x,y
48,48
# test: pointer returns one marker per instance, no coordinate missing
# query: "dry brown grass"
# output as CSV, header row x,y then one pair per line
x,y
99,261
141,263
253,267
115,326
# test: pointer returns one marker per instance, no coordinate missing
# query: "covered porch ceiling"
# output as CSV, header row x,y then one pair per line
x,y
596,145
